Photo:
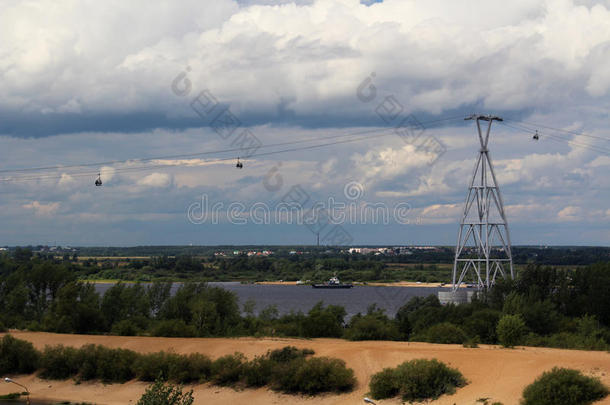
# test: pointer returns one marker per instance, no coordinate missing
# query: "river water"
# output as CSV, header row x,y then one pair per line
x,y
302,297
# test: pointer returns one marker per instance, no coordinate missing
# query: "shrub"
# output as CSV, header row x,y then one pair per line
x,y
445,333
227,370
17,356
186,369
562,386
165,394
511,330
259,372
266,369
108,365
483,324
2,327
174,328
472,343
288,353
384,384
324,321
416,380
566,340
153,366
59,362
372,328
126,327
374,325
311,376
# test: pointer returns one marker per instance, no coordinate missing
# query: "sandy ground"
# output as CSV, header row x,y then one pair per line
x,y
495,373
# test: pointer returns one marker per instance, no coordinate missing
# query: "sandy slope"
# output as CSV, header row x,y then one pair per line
x,y
499,374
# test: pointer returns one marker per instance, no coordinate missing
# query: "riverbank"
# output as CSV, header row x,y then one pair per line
x,y
492,372
372,284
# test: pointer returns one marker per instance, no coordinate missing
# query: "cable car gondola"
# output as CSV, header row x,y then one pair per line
x,y
536,137
239,165
98,181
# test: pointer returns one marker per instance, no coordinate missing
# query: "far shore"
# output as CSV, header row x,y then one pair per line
x,y
356,283
371,284
493,372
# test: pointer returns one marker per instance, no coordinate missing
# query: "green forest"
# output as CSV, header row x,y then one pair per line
x,y
311,263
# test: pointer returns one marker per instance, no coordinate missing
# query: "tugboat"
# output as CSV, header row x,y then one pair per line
x,y
332,283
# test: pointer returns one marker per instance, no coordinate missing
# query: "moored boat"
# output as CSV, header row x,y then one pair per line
x,y
332,283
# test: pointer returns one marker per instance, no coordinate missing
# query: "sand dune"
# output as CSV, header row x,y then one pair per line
x,y
495,373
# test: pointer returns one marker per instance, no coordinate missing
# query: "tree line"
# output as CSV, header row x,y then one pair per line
x,y
544,306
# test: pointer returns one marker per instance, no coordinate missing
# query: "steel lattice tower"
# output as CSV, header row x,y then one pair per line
x,y
483,245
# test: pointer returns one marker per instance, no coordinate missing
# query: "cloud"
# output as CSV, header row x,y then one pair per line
x,y
42,209
569,213
155,180
292,62
66,180
107,173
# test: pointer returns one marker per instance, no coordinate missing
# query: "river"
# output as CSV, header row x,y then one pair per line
x,y
302,297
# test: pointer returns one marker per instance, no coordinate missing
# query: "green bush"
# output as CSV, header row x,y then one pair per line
x,y
108,365
153,366
511,330
562,386
472,343
17,356
384,384
160,393
483,323
445,333
259,372
374,325
416,380
59,362
264,370
370,328
126,327
227,370
566,340
192,368
288,353
173,328
312,376
2,327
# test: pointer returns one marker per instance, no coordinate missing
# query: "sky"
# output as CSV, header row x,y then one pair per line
x,y
190,86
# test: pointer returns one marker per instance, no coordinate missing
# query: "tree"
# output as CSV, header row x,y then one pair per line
x,y
375,325
161,393
511,330
76,309
324,321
